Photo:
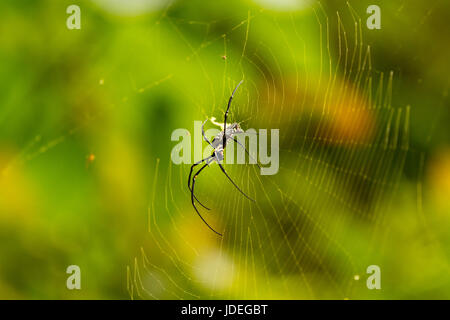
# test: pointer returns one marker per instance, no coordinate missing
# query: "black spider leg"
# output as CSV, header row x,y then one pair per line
x,y
192,198
231,180
243,147
189,180
224,143
197,163
204,136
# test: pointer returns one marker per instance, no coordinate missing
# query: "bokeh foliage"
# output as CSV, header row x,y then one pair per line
x,y
86,118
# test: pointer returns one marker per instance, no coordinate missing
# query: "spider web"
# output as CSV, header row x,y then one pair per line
x,y
320,221
343,146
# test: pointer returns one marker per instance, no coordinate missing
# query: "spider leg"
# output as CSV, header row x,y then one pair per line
x,y
193,196
226,174
224,143
203,134
255,133
235,139
189,180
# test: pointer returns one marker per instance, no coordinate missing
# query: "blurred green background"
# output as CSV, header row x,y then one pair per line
x,y
86,118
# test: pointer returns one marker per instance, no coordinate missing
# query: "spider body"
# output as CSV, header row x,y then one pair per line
x,y
218,143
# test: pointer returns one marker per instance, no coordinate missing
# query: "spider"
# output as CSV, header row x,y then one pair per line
x,y
218,143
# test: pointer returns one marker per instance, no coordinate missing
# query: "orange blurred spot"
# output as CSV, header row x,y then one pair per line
x,y
89,159
343,109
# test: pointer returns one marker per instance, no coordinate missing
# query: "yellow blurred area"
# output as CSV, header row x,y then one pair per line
x,y
19,199
87,178
438,176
